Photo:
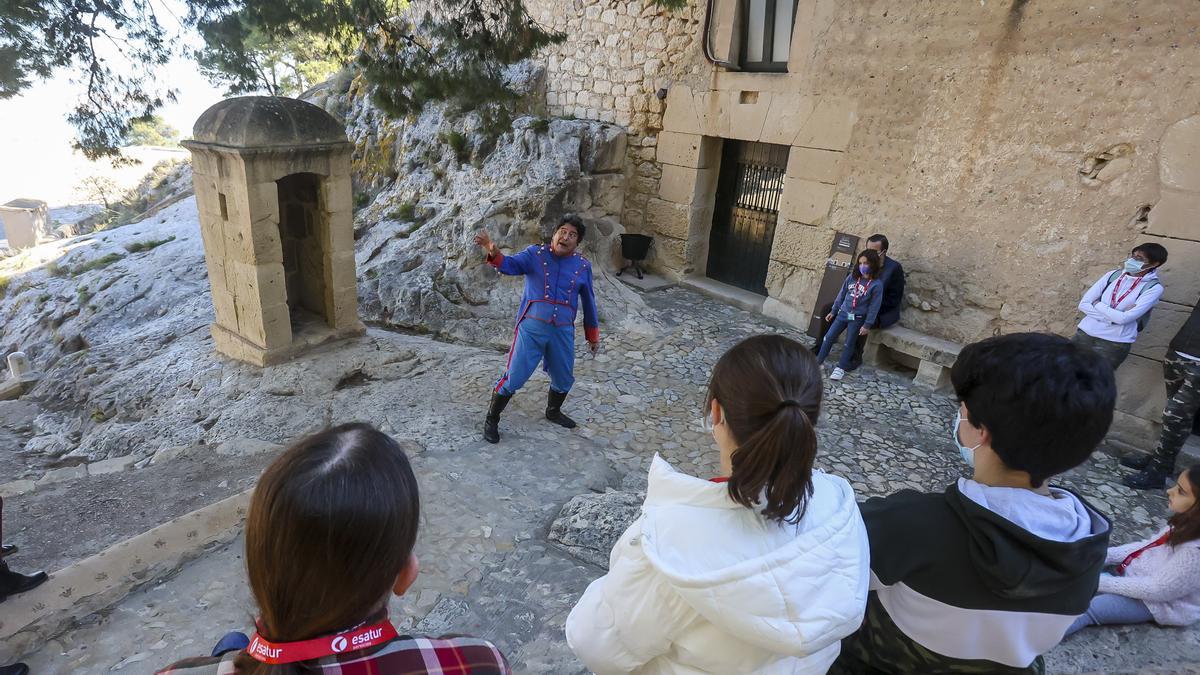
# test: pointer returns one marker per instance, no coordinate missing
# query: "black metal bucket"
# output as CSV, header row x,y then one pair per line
x,y
634,248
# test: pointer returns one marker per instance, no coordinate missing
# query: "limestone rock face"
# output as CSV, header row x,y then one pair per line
x,y
589,525
118,321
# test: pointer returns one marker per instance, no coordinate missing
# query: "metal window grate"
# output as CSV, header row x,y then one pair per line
x,y
747,206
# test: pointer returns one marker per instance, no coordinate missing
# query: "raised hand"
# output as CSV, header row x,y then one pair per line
x,y
483,240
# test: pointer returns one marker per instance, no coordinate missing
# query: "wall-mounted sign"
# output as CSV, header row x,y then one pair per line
x,y
837,266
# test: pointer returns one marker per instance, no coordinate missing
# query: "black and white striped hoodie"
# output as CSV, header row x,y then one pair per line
x,y
985,573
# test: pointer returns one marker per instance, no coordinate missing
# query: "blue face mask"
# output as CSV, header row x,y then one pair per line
x,y
864,270
1133,266
967,454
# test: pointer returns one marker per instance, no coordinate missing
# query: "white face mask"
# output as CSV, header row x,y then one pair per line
x,y
968,454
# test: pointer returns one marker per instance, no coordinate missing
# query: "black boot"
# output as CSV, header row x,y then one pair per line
x,y
1152,478
15,669
12,583
491,432
554,410
1139,462
5,551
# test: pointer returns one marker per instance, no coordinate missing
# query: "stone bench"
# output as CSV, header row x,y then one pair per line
x,y
933,356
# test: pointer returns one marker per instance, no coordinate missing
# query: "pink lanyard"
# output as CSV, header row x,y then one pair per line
x,y
859,292
1134,556
1113,299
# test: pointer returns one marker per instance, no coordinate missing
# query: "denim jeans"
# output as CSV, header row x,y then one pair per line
x,y
840,323
1108,609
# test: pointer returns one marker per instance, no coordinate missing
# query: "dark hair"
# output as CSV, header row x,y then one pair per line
x,y
1046,401
769,388
1155,253
331,525
873,260
1185,526
575,222
878,239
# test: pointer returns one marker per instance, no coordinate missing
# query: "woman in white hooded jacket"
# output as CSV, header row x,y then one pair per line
x,y
763,569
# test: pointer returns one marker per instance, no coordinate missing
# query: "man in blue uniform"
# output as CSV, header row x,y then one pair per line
x,y
557,280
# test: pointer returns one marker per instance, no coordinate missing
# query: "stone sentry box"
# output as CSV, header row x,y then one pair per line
x,y
25,222
272,180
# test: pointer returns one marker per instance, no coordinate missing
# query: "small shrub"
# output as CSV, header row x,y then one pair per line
x,y
56,270
458,143
82,295
360,200
541,125
406,211
99,263
4,282
139,246
439,173
43,298
98,416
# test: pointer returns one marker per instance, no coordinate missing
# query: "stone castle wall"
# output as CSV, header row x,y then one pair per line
x,y
1009,150
617,55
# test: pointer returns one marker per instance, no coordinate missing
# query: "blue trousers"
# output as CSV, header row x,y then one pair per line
x,y
539,342
1108,609
835,329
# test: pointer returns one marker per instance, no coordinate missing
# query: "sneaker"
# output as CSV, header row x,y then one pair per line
x,y
837,374
1139,462
1150,479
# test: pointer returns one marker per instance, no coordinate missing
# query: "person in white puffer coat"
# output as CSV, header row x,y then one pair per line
x,y
763,569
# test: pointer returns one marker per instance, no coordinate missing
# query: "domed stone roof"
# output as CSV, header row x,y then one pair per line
x,y
266,121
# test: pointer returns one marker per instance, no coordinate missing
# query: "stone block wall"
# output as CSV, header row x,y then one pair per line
x,y
1012,151
617,55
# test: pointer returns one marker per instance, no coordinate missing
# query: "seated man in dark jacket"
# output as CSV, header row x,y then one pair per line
x,y
892,278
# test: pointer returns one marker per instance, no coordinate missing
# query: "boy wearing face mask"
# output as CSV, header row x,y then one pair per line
x,y
989,575
1117,306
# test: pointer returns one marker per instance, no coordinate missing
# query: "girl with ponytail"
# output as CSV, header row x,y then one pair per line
x,y
762,569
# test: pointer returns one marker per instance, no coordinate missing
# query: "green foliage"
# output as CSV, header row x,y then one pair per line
x,y
459,143
139,246
455,52
56,270
406,211
119,86
247,58
361,199
671,4
541,125
4,284
97,263
153,131
82,295
457,58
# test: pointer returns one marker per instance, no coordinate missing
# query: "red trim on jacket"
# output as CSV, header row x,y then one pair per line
x,y
495,260
592,333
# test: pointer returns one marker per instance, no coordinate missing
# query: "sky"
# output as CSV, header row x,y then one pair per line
x,y
36,160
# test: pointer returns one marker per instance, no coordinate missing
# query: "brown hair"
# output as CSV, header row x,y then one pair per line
x,y
873,260
331,525
1185,526
769,389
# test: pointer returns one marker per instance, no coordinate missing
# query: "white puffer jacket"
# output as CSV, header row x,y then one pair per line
x,y
702,584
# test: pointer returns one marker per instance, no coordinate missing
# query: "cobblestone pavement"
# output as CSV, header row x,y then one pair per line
x,y
486,566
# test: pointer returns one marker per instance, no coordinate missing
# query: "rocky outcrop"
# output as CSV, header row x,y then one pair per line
x,y
438,180
589,525
117,321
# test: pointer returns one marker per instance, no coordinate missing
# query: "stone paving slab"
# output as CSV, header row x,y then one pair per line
x,y
487,567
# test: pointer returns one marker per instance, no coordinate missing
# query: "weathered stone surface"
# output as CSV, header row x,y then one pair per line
x,y
266,121
246,446
114,465
589,525
1179,161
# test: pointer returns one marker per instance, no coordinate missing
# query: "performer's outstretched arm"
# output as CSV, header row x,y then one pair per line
x,y
515,265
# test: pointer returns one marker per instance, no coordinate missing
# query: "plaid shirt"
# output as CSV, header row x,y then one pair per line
x,y
405,655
